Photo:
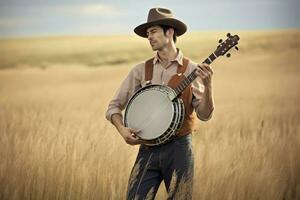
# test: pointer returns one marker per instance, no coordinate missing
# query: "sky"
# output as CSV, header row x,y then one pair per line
x,y
102,17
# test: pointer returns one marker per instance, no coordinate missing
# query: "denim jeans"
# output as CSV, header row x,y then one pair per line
x,y
172,162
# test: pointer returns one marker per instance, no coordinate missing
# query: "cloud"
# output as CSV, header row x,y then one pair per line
x,y
88,10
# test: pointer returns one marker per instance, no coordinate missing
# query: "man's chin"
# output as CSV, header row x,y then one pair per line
x,y
154,48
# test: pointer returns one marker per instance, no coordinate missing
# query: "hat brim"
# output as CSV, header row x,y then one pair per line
x,y
179,26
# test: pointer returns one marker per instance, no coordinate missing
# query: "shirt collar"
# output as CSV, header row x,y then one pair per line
x,y
177,59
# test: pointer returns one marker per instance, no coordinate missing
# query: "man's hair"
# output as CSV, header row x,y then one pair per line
x,y
165,28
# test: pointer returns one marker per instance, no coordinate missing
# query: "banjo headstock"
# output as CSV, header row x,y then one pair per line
x,y
225,46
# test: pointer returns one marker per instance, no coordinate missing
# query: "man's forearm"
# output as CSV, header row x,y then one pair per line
x,y
127,133
206,106
117,121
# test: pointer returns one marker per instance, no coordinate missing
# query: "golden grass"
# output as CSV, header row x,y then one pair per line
x,y
95,51
56,144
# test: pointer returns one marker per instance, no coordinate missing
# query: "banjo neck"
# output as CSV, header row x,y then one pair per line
x,y
192,76
222,48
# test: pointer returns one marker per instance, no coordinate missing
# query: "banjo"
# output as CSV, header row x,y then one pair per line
x,y
157,112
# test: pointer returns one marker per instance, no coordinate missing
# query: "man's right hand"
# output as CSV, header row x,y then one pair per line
x,y
130,136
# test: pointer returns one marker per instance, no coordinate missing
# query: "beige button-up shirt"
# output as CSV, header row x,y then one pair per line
x,y
136,79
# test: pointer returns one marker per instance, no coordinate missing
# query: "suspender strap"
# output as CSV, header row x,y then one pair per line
x,y
149,69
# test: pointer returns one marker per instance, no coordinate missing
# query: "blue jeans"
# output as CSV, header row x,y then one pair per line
x,y
172,162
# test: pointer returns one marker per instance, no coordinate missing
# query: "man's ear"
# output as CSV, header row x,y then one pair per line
x,y
170,32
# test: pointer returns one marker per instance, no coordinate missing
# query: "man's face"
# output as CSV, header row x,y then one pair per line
x,y
158,40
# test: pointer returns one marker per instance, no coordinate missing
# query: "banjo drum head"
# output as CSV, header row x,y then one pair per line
x,y
150,112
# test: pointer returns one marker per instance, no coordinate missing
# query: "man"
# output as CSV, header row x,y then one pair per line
x,y
171,162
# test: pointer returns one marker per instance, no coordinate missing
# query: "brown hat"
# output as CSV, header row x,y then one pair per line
x,y
160,16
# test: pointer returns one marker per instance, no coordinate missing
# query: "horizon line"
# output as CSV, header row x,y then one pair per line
x,y
41,36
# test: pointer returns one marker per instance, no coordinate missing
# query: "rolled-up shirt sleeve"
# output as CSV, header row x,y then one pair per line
x,y
130,84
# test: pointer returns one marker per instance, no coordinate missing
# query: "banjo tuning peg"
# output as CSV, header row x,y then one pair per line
x,y
220,40
228,55
236,48
228,35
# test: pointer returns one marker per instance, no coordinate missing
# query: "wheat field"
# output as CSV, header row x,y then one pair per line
x,y
56,144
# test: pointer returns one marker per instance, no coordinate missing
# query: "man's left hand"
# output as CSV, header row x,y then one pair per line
x,y
205,72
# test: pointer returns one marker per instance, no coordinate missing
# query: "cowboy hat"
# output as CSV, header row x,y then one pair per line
x,y
160,16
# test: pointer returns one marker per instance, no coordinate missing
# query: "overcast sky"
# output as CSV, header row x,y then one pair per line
x,y
90,17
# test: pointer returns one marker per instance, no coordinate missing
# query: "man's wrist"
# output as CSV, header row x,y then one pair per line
x,y
120,128
208,87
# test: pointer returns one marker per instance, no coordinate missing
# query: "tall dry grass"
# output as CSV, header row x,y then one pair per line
x,y
56,144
